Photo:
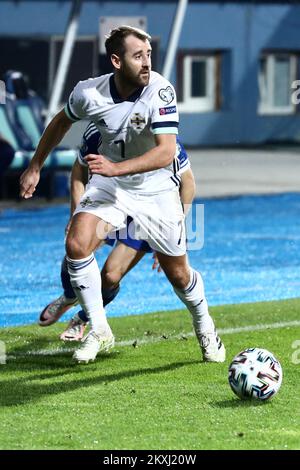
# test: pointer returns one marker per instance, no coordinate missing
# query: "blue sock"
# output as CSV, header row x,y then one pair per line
x,y
65,280
83,317
108,296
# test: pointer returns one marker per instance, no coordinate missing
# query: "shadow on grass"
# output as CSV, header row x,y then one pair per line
x,y
21,391
238,403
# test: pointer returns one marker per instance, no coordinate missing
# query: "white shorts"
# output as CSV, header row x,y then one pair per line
x,y
158,218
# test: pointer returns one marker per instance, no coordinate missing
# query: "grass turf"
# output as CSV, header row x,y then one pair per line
x,y
153,391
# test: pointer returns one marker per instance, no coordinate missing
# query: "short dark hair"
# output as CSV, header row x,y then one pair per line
x,y
114,43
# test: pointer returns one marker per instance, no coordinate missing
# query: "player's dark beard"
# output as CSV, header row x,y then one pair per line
x,y
136,81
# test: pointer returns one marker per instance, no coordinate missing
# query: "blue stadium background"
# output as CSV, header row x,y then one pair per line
x,y
251,253
251,249
239,30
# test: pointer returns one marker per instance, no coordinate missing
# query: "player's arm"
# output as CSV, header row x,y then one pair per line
x,y
187,189
79,178
158,157
51,137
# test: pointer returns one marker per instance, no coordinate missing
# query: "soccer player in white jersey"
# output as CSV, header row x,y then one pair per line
x,y
136,113
127,251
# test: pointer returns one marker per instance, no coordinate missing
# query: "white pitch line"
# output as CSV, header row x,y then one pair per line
x,y
138,342
271,326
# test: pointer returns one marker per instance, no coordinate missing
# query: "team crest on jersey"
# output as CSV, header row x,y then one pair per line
x,y
166,94
89,202
137,121
86,202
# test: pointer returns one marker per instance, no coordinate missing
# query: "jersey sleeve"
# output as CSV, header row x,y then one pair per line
x,y
82,152
90,142
164,118
182,156
76,107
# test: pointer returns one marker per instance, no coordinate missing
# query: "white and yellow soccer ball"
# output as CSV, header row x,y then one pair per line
x,y
255,374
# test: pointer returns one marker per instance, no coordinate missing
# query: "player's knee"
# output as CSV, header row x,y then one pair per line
x,y
179,278
110,278
75,249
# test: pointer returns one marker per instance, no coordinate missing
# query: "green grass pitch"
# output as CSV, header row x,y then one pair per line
x,y
152,391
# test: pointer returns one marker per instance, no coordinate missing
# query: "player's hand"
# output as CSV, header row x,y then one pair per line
x,y
156,264
99,165
28,182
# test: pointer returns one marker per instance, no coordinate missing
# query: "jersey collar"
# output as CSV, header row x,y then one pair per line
x,y
117,98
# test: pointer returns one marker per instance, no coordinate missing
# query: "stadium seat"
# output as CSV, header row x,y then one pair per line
x,y
21,157
60,157
27,120
28,114
14,135
12,132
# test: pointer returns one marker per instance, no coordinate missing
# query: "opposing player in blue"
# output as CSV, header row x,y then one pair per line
x,y
127,251
135,110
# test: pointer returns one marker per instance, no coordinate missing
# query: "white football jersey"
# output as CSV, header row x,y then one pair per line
x,y
91,143
128,126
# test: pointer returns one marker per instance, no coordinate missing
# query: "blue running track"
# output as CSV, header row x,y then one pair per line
x,y
251,253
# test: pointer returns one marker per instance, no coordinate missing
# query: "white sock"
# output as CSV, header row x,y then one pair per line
x,y
194,299
86,281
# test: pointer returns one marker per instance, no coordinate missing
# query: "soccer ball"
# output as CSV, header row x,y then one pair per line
x,y
255,373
